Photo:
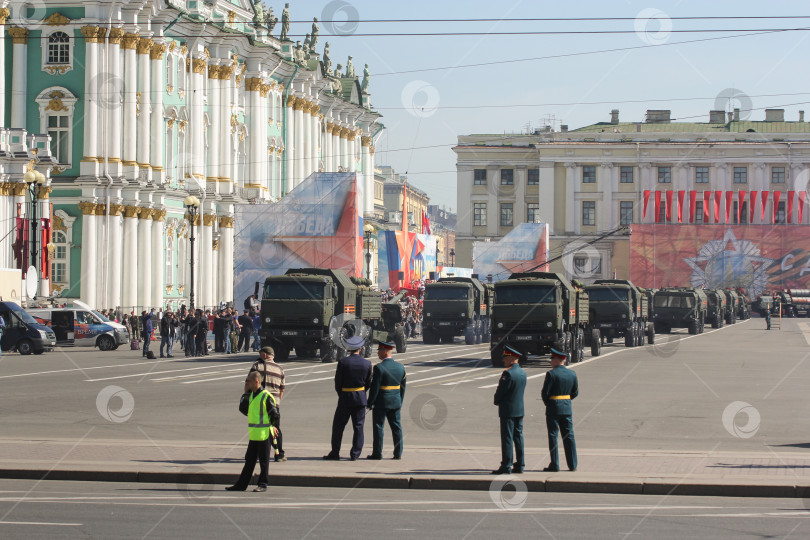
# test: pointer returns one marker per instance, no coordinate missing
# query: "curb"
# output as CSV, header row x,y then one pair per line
x,y
189,480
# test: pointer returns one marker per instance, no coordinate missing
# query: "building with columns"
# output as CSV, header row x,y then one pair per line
x,y
589,183
147,102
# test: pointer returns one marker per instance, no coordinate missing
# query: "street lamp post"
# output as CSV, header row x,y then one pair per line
x,y
368,230
192,205
34,179
452,257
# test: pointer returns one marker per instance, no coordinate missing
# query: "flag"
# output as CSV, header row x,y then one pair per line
x,y
718,195
764,199
791,194
646,200
657,205
729,196
753,205
692,203
681,195
669,206
425,223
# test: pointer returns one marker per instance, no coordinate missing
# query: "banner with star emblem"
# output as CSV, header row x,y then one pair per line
x,y
754,257
523,249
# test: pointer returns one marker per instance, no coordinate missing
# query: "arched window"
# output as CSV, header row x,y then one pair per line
x,y
58,48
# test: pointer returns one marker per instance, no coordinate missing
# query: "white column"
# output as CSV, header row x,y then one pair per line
x,y
252,85
130,258
114,109
226,258
4,13
115,248
19,75
546,194
314,134
144,116
217,129
337,158
158,128
289,149
572,206
130,163
306,141
102,255
89,258
197,122
158,254
368,176
227,152
613,204
204,244
300,148
327,154
144,270
603,187
647,184
352,144
344,148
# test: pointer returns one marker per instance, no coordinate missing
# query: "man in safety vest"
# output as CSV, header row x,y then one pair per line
x,y
262,412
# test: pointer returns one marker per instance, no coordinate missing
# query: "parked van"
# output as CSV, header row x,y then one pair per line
x,y
23,333
82,326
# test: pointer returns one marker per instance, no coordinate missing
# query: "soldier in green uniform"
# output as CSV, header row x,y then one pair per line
x,y
509,399
385,399
559,388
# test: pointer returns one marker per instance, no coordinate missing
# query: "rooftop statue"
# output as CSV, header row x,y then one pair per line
x,y
313,42
285,22
350,68
366,77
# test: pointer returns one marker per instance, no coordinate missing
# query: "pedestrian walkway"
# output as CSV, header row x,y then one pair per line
x,y
207,465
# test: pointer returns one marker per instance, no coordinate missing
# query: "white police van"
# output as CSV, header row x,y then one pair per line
x,y
80,325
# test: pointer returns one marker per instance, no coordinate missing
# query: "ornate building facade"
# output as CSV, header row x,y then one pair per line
x,y
148,102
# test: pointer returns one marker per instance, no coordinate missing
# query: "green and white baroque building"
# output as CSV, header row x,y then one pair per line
x,y
127,107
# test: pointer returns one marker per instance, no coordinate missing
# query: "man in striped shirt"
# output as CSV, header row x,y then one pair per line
x,y
272,380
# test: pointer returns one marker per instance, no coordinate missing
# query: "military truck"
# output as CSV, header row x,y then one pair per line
x,y
763,304
732,299
801,301
782,301
618,309
455,306
314,311
535,311
394,322
679,307
716,309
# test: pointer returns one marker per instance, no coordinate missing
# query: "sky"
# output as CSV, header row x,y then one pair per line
x,y
432,89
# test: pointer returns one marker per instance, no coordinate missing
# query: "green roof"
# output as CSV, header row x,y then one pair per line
x,y
697,127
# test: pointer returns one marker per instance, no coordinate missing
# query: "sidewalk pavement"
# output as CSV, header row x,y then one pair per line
x,y
208,465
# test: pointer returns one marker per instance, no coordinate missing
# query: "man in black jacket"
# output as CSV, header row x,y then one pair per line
x,y
245,331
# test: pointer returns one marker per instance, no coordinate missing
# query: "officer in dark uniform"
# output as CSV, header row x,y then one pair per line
x,y
352,380
385,398
559,388
509,399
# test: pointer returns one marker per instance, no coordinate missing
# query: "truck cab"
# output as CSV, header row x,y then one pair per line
x,y
680,307
619,309
455,307
23,333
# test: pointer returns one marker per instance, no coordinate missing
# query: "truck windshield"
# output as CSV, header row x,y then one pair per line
x,y
533,294
662,301
23,315
608,295
293,290
446,293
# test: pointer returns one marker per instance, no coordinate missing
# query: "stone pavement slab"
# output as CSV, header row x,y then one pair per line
x,y
209,463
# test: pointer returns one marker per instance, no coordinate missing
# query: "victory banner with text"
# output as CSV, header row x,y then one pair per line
x,y
754,257
316,225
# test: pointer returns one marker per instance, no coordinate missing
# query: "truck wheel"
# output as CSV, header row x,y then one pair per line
x,y
596,342
610,339
588,337
282,351
25,347
693,327
580,342
496,355
629,338
105,343
651,335
716,322
479,332
469,335
400,341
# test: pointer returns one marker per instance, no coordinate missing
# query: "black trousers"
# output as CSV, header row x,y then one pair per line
x,y
244,339
342,415
256,450
279,445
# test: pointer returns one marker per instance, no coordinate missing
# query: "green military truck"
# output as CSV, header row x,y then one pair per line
x,y
535,311
732,299
763,305
783,302
618,309
801,301
455,306
716,308
314,311
679,307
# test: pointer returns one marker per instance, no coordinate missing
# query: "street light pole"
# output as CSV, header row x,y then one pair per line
x,y
34,179
368,230
192,205
452,257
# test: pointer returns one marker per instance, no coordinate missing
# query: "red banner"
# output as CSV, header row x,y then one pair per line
x,y
669,206
646,200
718,196
43,251
707,201
729,196
755,257
753,205
692,203
764,198
802,195
776,196
681,195
657,205
791,194
740,203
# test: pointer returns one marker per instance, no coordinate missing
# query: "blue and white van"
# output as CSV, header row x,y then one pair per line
x,y
82,326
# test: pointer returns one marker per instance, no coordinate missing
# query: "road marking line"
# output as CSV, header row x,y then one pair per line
x,y
447,375
43,523
157,373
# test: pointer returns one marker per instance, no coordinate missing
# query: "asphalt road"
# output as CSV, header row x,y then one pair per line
x,y
70,510
675,395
